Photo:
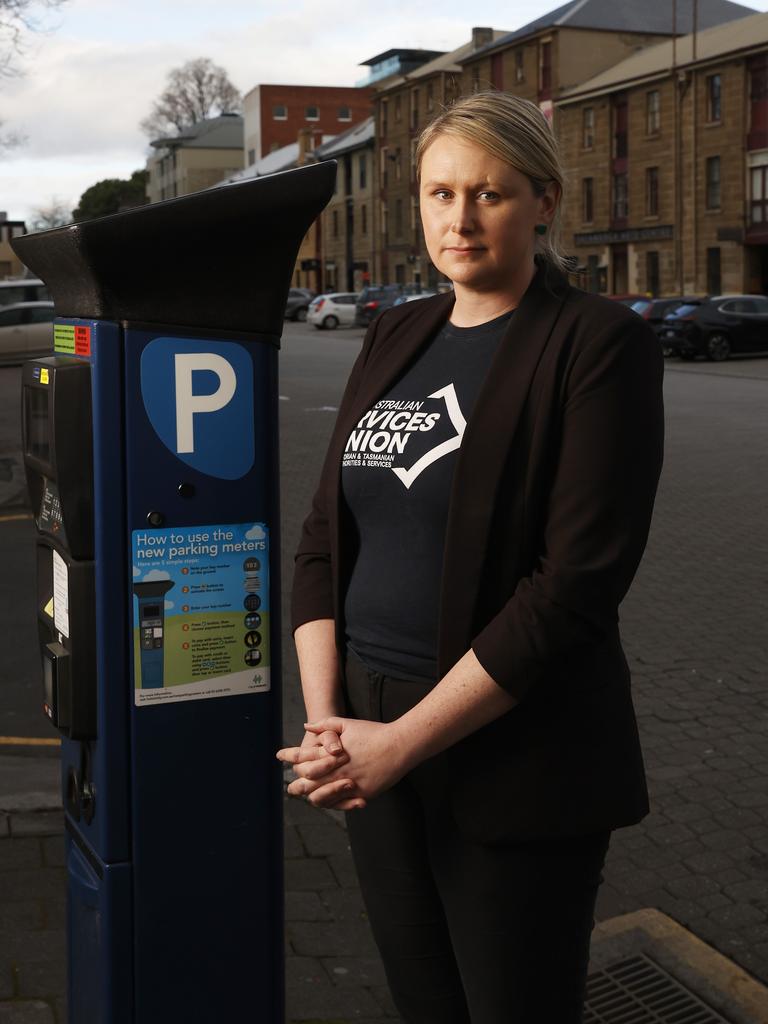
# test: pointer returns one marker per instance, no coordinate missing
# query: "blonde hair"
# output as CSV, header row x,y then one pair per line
x,y
516,131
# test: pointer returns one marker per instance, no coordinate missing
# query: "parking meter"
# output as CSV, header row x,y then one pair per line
x,y
150,446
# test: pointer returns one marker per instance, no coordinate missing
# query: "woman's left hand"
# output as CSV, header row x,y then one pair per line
x,y
376,761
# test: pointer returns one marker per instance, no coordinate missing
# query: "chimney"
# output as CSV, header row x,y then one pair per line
x,y
481,37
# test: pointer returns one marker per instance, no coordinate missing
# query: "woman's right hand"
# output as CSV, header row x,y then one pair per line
x,y
328,754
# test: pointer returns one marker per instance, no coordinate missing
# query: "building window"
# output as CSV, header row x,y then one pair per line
x,y
414,213
335,223
652,272
398,165
758,213
363,168
430,97
384,118
345,114
519,67
587,204
651,191
713,183
714,283
545,67
399,273
414,147
620,197
414,110
652,112
398,111
452,88
251,156
363,219
398,218
279,112
497,71
620,133
312,113
384,221
714,97
383,158
588,127
475,78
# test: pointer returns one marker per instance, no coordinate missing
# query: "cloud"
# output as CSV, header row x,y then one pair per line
x,y
136,572
169,605
156,574
256,532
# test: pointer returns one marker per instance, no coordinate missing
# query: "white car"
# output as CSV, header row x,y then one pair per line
x,y
26,331
328,311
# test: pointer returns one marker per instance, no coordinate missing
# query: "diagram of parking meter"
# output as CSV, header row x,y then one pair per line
x,y
151,452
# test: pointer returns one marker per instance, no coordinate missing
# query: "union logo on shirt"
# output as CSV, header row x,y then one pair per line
x,y
391,434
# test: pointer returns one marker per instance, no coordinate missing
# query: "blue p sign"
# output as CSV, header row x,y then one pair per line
x,y
209,422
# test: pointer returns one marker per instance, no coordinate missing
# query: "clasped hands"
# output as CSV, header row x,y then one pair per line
x,y
345,762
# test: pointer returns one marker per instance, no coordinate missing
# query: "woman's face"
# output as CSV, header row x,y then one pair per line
x,y
479,214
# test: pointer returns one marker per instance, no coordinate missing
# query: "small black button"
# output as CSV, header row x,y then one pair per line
x,y
155,518
187,490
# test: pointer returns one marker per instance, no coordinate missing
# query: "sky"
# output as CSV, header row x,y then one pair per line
x,y
89,77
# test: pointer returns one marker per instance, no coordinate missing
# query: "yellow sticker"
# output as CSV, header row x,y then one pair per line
x,y
49,609
43,376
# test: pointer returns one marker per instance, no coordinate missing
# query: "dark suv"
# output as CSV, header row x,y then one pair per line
x,y
374,299
716,326
298,303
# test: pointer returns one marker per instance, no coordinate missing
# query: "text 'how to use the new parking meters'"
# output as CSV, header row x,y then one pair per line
x,y
150,440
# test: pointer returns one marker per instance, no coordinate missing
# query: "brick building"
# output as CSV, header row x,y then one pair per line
x,y
348,236
667,155
274,114
10,264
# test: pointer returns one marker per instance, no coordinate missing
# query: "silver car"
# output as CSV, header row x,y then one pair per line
x,y
26,331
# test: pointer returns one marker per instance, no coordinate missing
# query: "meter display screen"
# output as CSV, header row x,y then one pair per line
x,y
151,611
37,416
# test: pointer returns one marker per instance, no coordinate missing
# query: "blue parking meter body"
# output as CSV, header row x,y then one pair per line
x,y
150,441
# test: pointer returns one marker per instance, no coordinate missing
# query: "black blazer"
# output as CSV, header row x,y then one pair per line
x,y
549,515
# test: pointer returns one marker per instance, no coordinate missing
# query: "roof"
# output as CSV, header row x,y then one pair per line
x,y
278,160
627,16
353,138
223,132
445,62
405,55
656,61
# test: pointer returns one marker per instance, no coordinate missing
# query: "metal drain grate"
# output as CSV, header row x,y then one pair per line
x,y
638,991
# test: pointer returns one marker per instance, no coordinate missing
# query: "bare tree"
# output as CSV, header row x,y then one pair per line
x,y
17,18
52,214
197,90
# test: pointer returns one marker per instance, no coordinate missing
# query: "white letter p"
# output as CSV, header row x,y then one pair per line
x,y
188,404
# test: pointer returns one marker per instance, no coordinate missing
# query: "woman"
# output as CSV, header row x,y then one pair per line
x,y
482,510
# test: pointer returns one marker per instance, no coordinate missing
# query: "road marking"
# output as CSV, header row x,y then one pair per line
x,y
28,741
11,519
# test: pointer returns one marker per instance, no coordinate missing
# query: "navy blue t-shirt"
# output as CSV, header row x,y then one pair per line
x,y
396,477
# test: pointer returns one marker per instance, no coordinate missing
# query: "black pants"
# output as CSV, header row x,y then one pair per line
x,y
468,933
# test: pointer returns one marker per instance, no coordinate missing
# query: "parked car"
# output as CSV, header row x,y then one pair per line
x,y
412,298
328,311
653,312
25,331
298,303
23,289
630,298
374,299
717,326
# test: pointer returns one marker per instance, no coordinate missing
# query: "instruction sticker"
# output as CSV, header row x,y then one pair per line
x,y
72,339
60,594
200,612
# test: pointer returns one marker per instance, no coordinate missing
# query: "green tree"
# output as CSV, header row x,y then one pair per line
x,y
112,195
197,90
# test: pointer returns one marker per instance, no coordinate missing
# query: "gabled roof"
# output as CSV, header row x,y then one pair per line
x,y
445,62
656,61
627,16
224,132
353,138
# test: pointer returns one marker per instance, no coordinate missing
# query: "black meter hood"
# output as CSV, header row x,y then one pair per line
x,y
214,259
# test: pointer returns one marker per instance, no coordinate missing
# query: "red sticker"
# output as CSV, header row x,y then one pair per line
x,y
82,341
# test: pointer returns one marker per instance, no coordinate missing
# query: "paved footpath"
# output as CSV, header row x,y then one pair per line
x,y
694,628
